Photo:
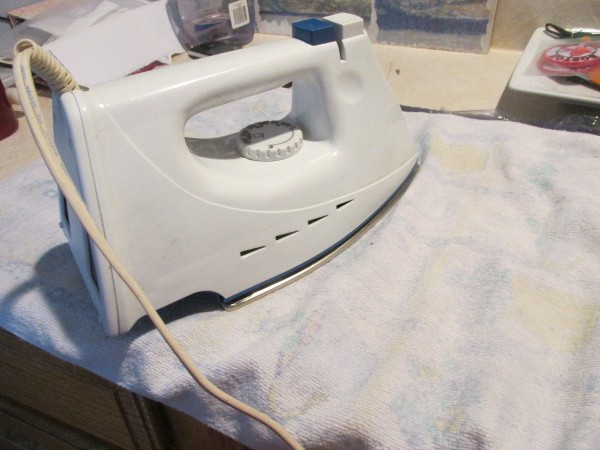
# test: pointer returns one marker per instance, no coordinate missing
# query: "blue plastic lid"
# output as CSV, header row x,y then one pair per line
x,y
314,31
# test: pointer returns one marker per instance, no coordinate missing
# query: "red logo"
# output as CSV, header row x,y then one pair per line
x,y
573,55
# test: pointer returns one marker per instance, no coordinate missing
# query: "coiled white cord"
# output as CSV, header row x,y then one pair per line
x,y
30,56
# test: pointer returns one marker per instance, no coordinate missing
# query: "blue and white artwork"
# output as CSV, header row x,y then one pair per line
x,y
446,24
315,8
461,25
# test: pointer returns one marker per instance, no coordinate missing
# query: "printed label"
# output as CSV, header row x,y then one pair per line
x,y
573,55
238,14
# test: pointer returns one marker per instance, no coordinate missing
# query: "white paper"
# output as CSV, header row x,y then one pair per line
x,y
54,24
119,45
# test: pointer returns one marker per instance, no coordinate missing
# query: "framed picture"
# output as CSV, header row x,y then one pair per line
x,y
460,25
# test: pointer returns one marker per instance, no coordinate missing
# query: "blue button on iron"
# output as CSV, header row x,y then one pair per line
x,y
314,31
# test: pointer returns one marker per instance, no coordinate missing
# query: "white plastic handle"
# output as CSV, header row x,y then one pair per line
x,y
193,87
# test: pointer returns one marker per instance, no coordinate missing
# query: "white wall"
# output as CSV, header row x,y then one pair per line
x,y
516,20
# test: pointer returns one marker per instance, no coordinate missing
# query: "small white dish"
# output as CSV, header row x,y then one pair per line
x,y
524,80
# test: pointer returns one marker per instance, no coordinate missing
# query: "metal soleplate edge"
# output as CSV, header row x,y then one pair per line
x,y
296,273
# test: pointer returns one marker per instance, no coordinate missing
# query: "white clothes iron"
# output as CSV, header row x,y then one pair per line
x,y
253,214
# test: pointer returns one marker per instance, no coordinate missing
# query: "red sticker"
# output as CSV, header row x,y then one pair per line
x,y
573,55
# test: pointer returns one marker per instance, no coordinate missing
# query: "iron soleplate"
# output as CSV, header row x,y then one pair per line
x,y
275,283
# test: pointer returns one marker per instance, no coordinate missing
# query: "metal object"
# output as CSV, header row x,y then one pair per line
x,y
277,283
565,33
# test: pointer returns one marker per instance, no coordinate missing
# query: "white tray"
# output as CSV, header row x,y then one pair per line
x,y
558,87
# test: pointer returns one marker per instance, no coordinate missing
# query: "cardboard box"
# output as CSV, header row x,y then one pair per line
x,y
19,15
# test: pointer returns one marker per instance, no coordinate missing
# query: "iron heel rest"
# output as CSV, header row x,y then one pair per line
x,y
212,219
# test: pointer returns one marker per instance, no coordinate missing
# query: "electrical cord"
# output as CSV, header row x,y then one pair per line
x,y
30,56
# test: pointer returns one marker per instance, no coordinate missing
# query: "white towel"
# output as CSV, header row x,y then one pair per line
x,y
466,318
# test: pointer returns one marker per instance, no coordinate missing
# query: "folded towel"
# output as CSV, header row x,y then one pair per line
x,y
466,318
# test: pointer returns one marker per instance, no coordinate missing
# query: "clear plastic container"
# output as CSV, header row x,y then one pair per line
x,y
213,26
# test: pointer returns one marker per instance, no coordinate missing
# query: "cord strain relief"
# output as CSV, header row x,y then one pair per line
x,y
45,65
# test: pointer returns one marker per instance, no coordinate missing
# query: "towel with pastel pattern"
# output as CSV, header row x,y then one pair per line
x,y
466,318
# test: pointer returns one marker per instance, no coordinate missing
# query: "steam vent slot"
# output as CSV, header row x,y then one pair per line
x,y
244,253
341,205
316,219
92,264
284,235
65,209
